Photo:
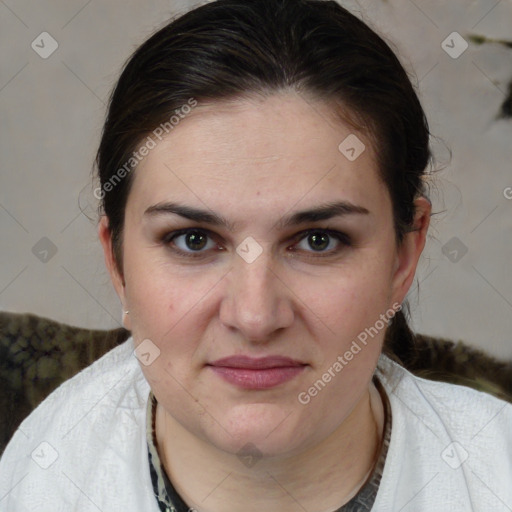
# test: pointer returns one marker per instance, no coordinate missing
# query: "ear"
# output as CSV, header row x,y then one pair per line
x,y
116,276
409,252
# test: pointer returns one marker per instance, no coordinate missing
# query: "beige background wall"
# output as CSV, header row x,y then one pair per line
x,y
52,111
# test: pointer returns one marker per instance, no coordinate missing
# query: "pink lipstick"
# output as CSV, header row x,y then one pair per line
x,y
257,373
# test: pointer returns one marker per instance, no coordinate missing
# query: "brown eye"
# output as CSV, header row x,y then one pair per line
x,y
189,242
318,240
195,240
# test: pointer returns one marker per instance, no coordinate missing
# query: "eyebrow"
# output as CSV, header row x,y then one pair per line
x,y
318,213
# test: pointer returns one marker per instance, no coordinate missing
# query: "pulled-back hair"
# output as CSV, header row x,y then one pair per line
x,y
228,49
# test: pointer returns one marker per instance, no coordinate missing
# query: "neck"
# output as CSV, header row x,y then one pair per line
x,y
323,477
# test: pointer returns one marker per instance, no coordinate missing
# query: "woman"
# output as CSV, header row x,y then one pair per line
x,y
262,176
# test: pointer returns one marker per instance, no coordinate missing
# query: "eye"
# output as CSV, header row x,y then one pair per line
x,y
186,242
321,239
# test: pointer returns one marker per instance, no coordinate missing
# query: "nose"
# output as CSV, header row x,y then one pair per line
x,y
257,301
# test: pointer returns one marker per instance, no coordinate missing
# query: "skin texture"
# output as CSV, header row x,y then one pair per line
x,y
254,161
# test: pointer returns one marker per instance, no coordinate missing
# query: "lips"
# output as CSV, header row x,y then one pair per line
x,y
257,363
257,373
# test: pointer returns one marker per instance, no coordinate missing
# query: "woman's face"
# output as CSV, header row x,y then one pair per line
x,y
247,180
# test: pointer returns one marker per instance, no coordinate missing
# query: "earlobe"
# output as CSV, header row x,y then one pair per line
x,y
409,252
125,320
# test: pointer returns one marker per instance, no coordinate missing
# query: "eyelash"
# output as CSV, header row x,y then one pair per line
x,y
344,240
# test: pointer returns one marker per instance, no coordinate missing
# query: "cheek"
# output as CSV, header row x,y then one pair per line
x,y
352,298
161,296
173,311
350,350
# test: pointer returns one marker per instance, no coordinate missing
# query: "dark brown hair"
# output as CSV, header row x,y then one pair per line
x,y
228,49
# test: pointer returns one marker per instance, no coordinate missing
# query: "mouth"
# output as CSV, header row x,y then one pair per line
x,y
257,373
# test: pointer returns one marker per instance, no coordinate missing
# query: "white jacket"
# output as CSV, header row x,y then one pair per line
x,y
84,448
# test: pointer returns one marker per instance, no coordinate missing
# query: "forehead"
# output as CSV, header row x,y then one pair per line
x,y
282,147
282,124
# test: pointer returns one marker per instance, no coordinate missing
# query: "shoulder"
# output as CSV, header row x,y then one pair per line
x,y
450,446
461,407
86,434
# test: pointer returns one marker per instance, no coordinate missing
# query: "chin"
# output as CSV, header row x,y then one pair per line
x,y
265,429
